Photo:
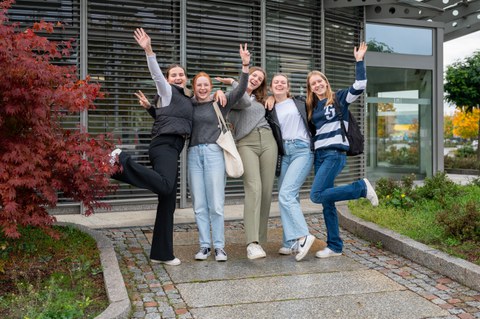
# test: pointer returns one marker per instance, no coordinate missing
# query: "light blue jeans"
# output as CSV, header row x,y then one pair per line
x,y
328,164
207,178
296,165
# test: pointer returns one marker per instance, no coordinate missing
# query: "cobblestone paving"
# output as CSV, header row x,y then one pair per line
x,y
154,295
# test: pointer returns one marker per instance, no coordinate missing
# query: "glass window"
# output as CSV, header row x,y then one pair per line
x,y
399,121
396,39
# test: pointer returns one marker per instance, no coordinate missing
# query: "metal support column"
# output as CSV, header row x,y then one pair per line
x,y
183,61
263,32
83,66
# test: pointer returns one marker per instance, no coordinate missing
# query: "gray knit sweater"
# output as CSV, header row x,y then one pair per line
x,y
205,123
244,119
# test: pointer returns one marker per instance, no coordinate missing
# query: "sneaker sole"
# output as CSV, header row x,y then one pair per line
x,y
307,247
329,255
168,263
257,257
374,199
202,258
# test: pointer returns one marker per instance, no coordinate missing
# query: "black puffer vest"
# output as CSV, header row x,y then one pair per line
x,y
175,118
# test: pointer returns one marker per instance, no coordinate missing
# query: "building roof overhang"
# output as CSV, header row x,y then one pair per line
x,y
459,17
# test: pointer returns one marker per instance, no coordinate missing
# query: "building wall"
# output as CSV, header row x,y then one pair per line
x,y
292,37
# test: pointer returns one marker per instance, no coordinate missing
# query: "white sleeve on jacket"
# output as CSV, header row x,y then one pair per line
x,y
164,89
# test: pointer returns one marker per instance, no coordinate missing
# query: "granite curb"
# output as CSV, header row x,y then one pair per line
x,y
457,269
120,305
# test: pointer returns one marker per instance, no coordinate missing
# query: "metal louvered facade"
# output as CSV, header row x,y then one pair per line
x,y
344,30
292,37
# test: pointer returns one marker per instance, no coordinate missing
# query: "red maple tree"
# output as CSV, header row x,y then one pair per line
x,y
39,158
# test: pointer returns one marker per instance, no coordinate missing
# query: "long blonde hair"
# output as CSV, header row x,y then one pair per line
x,y
312,97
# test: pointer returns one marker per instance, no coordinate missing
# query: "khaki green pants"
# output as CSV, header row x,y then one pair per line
x,y
259,155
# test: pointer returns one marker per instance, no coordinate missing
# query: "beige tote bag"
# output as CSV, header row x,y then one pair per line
x,y
233,161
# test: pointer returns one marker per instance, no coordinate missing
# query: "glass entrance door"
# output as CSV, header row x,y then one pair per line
x,y
399,122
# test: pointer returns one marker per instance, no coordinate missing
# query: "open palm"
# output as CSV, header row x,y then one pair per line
x,y
142,38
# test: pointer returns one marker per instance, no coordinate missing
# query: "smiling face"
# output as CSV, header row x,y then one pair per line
x,y
176,75
202,88
318,85
280,86
255,79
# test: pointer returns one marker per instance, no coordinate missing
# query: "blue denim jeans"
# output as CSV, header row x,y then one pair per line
x,y
328,164
296,165
207,178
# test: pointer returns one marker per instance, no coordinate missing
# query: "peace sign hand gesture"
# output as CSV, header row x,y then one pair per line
x,y
142,99
245,55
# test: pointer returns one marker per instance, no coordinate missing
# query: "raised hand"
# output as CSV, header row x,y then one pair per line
x,y
142,99
245,55
360,52
143,39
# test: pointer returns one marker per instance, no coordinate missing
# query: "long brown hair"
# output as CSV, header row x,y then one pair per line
x,y
260,93
312,97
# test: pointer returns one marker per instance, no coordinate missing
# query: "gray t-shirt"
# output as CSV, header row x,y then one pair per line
x,y
205,123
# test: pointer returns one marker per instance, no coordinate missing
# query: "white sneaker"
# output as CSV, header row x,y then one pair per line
x,y
173,262
255,251
327,252
371,194
114,156
285,251
220,254
304,246
203,253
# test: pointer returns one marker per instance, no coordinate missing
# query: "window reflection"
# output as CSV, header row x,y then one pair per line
x,y
400,121
396,39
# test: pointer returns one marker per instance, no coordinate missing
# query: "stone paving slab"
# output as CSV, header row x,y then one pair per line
x,y
154,291
186,244
275,288
277,265
393,304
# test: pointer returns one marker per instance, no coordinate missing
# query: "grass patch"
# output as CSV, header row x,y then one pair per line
x,y
44,277
444,217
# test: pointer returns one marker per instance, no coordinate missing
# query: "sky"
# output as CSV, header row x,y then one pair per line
x,y
458,49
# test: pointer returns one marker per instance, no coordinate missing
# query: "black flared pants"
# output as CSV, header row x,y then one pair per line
x,y
164,152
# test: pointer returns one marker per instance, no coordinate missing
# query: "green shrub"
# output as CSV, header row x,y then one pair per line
x,y
385,186
462,222
450,224
469,162
439,188
399,194
465,151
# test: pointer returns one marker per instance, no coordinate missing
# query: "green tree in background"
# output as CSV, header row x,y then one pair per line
x,y
462,86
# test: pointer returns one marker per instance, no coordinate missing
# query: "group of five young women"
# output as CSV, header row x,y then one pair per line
x,y
300,132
